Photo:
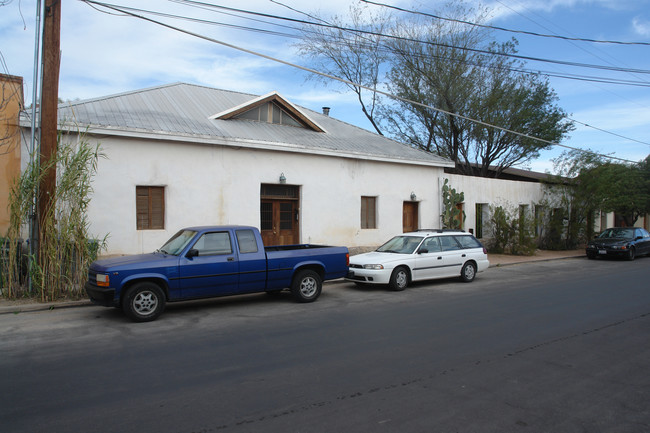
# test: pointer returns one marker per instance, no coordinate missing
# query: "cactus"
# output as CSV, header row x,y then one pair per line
x,y
451,215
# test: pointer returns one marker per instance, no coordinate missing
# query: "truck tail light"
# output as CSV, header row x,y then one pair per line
x,y
102,280
347,259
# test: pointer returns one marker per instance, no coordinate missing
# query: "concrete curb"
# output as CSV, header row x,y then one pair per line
x,y
27,308
545,259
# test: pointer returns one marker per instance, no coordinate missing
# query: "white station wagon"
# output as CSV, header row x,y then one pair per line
x,y
421,255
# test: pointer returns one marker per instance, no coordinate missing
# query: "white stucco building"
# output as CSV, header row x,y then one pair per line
x,y
181,155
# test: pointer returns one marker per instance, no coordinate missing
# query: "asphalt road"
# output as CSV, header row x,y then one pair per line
x,y
560,346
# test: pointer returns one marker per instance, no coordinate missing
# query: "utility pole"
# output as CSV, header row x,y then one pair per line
x,y
48,110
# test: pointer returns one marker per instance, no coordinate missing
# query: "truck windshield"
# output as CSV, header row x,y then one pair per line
x,y
401,245
175,245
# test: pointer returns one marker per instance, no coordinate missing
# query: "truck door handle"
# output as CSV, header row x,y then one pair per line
x,y
231,259
439,258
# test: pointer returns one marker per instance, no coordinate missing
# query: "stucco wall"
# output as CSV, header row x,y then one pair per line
x,y
221,185
494,192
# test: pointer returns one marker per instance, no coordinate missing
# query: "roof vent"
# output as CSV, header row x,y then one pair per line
x,y
326,111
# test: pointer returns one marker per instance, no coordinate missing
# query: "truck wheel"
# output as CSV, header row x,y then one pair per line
x,y
306,286
143,302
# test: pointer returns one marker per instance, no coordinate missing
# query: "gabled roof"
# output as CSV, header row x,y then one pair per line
x,y
185,113
269,97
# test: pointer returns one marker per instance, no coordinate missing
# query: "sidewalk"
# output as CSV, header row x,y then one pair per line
x,y
540,256
27,305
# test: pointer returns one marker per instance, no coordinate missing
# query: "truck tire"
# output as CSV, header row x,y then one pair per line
x,y
306,286
143,302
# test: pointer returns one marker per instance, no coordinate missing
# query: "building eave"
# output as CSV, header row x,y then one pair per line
x,y
245,143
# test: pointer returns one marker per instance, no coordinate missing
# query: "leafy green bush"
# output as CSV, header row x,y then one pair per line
x,y
512,232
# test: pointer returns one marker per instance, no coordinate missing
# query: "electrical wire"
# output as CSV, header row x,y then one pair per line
x,y
479,51
567,38
313,71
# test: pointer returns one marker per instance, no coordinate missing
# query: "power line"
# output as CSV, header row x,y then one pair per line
x,y
567,38
568,76
582,48
313,71
401,38
289,35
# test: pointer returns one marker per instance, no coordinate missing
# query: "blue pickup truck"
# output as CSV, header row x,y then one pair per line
x,y
206,262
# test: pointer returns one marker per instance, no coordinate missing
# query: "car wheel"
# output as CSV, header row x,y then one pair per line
x,y
307,286
144,302
468,273
399,279
591,256
631,253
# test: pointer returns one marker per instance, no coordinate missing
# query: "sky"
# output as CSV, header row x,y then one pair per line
x,y
104,53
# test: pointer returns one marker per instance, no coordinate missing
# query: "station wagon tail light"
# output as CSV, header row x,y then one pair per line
x,y
102,280
375,267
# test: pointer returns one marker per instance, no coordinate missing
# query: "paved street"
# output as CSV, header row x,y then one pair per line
x,y
559,346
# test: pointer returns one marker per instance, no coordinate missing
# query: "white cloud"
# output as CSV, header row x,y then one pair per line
x,y
641,26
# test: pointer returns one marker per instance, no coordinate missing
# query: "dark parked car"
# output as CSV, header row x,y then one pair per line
x,y
626,242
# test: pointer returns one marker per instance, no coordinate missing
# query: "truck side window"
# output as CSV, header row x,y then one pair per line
x,y
213,244
247,242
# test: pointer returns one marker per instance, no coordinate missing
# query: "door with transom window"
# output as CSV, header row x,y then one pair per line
x,y
279,214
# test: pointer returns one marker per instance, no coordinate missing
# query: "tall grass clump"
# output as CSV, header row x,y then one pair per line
x,y
59,268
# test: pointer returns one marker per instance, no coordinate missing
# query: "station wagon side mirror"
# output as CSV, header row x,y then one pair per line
x,y
423,251
192,253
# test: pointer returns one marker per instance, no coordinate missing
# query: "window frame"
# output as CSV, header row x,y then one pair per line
x,y
205,252
368,220
153,209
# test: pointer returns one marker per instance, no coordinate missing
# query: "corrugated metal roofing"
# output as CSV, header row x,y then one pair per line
x,y
183,110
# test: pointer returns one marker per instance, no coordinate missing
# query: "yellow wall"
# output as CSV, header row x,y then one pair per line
x,y
11,102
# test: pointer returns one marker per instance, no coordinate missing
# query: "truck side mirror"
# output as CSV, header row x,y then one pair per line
x,y
192,253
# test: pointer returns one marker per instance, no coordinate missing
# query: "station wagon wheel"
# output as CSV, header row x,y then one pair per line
x,y
144,302
468,272
399,279
306,286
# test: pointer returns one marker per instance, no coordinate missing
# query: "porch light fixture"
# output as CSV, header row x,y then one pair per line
x,y
283,179
413,196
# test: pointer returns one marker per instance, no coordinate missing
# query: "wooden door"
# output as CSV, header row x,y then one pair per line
x,y
279,222
410,218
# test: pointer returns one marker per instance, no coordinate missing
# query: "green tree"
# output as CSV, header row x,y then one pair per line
x,y
516,102
453,73
590,182
432,63
620,188
353,56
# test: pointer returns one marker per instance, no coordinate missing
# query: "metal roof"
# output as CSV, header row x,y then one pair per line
x,y
183,112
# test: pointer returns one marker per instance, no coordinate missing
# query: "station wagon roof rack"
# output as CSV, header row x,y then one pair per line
x,y
442,230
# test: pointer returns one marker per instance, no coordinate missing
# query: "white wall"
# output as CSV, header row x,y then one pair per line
x,y
495,192
206,185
